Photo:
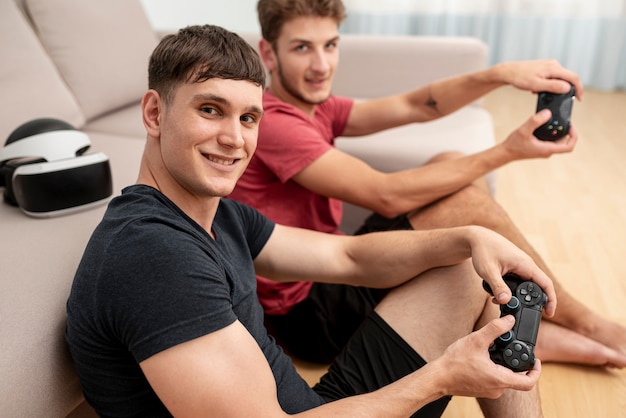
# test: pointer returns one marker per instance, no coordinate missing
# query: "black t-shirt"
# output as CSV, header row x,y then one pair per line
x,y
152,278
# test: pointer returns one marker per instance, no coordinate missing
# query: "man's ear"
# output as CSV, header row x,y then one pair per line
x,y
267,55
151,108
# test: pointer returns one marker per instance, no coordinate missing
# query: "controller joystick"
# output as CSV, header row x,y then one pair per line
x,y
515,348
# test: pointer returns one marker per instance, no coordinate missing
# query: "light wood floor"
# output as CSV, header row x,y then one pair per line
x,y
572,208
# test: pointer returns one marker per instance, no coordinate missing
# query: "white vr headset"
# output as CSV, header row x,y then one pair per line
x,y
45,173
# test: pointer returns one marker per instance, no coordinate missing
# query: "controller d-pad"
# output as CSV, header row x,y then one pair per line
x,y
529,293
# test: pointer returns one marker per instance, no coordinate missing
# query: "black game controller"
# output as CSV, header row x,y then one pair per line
x,y
561,107
515,348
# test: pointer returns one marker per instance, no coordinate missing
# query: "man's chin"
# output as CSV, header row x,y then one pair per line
x,y
316,99
222,190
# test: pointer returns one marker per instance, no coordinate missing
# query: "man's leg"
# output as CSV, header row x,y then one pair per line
x,y
599,341
441,306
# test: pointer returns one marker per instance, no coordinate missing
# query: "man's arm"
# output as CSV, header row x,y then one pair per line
x,y
339,175
225,374
391,258
446,96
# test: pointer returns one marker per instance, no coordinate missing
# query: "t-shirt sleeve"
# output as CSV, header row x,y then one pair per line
x,y
253,226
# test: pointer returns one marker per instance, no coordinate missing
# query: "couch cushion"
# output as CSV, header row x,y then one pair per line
x,y
126,121
101,48
30,84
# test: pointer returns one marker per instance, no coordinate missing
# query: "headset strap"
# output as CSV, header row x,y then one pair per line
x,y
52,146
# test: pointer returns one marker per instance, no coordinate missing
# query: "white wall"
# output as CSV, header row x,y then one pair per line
x,y
234,15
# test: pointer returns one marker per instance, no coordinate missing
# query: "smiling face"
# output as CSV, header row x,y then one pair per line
x,y
303,63
202,139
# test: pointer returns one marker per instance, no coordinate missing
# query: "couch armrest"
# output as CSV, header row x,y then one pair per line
x,y
375,66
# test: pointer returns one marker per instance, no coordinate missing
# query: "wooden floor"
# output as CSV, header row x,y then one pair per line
x,y
572,208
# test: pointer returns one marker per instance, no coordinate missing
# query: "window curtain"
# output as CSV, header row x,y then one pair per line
x,y
585,36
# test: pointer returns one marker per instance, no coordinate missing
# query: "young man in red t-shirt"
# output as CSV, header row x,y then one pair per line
x,y
297,177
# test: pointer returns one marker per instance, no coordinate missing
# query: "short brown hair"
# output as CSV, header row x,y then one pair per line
x,y
273,14
198,53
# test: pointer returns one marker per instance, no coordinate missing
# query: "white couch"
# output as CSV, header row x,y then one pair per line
x,y
84,62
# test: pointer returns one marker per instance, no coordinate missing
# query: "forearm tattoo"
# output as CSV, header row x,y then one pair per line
x,y
431,102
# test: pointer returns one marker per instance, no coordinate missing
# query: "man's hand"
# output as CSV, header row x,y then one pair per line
x,y
539,75
493,256
522,144
470,370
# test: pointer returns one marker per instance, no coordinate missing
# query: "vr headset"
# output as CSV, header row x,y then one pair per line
x,y
45,173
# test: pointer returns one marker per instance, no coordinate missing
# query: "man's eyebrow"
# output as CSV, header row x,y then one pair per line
x,y
308,41
224,101
257,109
210,96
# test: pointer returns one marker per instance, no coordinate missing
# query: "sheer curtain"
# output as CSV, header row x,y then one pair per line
x,y
586,36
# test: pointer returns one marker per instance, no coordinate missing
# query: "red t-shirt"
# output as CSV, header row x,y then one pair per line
x,y
288,142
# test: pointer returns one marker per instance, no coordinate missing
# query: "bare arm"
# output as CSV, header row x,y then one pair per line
x,y
446,96
339,175
225,374
388,259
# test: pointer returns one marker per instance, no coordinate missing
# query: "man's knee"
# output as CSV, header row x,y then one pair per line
x,y
437,307
479,207
471,205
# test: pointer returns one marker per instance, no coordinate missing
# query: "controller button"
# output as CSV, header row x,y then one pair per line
x,y
528,298
508,336
523,291
515,362
508,352
525,357
517,347
513,303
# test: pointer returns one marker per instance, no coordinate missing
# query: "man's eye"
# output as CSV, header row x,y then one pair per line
x,y
248,119
209,110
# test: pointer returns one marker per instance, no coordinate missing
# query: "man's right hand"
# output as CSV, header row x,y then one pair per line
x,y
522,144
471,372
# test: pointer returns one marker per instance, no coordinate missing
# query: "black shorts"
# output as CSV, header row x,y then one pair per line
x,y
374,356
317,328
337,324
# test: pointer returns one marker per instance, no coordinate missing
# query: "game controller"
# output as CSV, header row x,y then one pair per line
x,y
515,348
561,107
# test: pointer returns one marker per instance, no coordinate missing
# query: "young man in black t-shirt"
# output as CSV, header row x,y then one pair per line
x,y
163,317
